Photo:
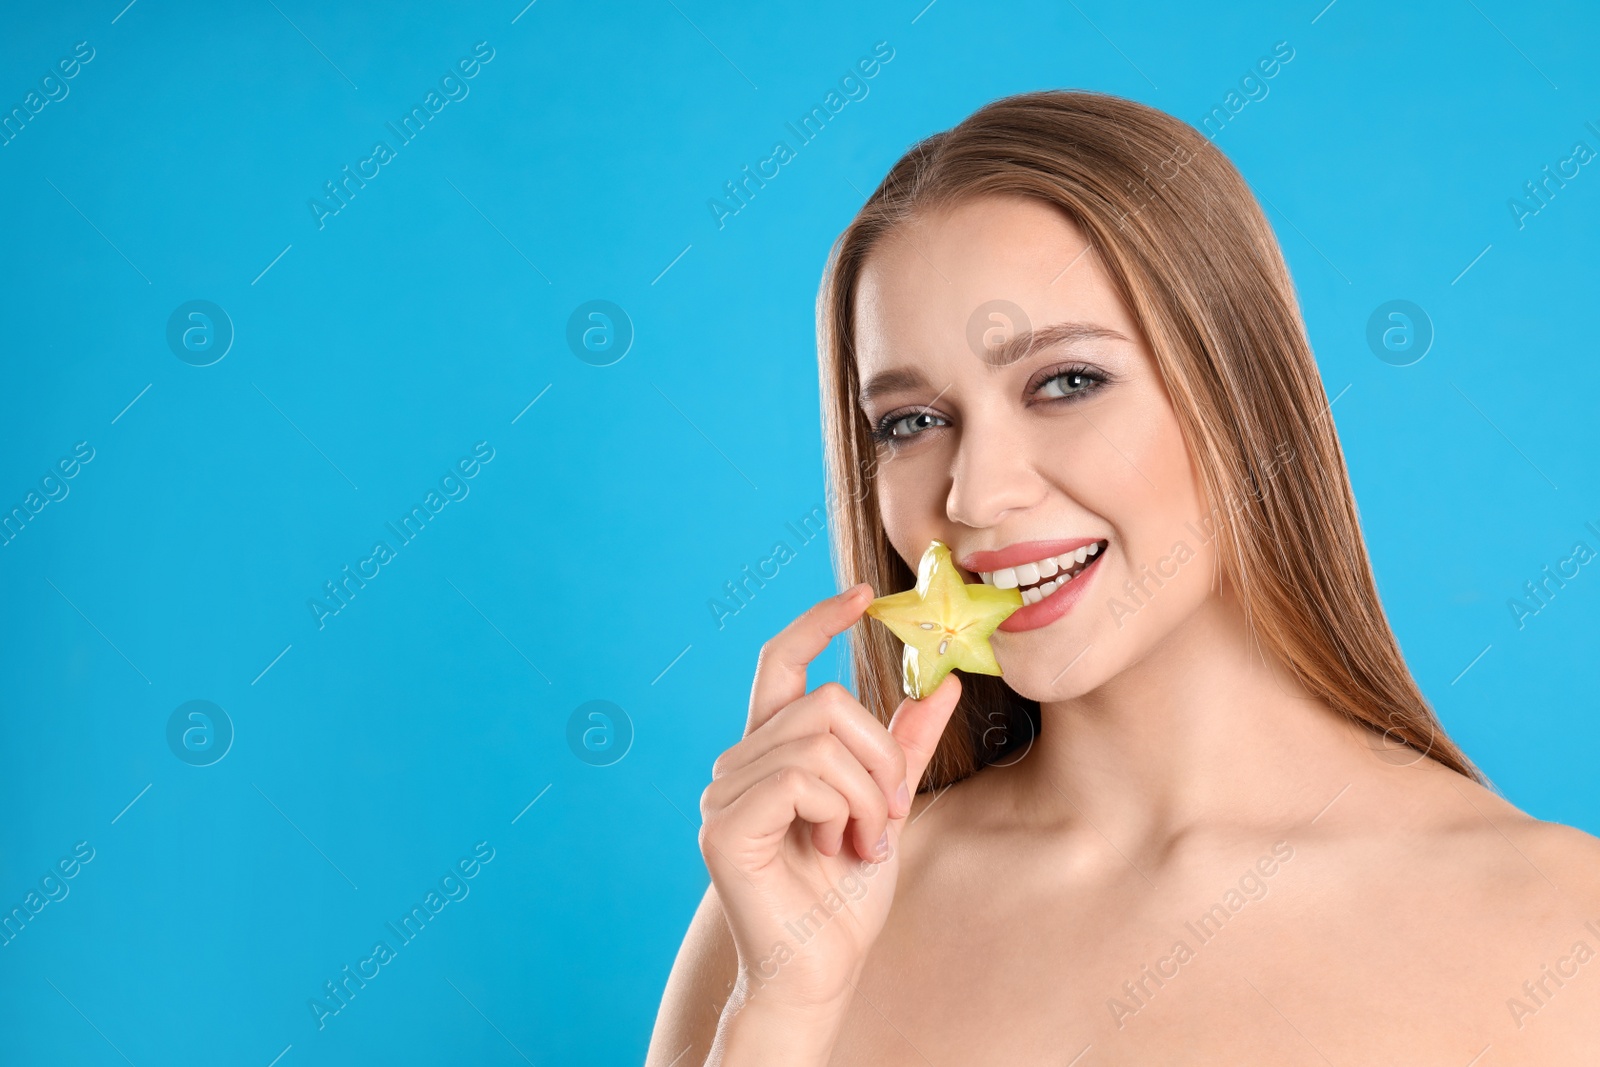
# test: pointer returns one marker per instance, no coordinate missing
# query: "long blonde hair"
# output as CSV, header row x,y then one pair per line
x,y
1191,254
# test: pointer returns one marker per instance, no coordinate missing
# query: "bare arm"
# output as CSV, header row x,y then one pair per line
x,y
814,796
695,1024
697,989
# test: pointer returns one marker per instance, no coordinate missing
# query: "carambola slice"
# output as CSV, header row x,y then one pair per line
x,y
945,622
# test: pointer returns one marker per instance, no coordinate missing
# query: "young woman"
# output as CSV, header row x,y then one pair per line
x,y
1206,815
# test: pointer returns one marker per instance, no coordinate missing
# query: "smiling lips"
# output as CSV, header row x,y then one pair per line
x,y
1042,577
1037,568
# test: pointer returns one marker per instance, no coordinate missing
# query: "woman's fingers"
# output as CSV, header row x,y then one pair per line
x,y
918,724
819,757
830,709
781,668
826,757
767,810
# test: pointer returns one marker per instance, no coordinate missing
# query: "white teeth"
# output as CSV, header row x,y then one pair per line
x,y
1039,592
1030,574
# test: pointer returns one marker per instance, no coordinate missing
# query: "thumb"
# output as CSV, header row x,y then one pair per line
x,y
918,724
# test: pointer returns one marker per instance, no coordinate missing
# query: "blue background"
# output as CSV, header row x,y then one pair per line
x,y
371,754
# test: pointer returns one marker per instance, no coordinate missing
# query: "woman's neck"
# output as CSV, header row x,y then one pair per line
x,y
1202,732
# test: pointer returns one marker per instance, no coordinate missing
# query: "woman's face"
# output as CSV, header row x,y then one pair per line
x,y
1062,439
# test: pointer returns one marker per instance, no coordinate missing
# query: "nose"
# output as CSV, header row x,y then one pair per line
x,y
992,473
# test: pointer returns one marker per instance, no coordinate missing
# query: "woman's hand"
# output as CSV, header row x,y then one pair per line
x,y
802,820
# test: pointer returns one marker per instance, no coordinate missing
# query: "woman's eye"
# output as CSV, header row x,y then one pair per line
x,y
1067,383
900,427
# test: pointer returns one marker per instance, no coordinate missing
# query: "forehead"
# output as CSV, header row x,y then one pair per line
x,y
931,286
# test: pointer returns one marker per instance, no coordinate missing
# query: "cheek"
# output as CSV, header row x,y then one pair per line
x,y
1166,485
1128,463
1148,490
910,504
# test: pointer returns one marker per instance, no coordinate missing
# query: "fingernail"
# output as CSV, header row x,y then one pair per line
x,y
881,849
853,592
902,799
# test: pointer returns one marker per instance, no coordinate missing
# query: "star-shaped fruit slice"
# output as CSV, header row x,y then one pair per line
x,y
945,622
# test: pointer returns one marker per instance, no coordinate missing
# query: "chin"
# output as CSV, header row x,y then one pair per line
x,y
1092,644
1044,670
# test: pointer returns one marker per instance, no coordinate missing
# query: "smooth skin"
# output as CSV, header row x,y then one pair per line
x,y
1366,906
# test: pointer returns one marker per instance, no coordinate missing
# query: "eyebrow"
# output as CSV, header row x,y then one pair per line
x,y
1024,344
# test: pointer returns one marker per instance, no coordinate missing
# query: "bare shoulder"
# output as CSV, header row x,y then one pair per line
x,y
1572,857
1505,904
697,988
1564,857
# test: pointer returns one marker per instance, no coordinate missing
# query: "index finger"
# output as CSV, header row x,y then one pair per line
x,y
781,667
